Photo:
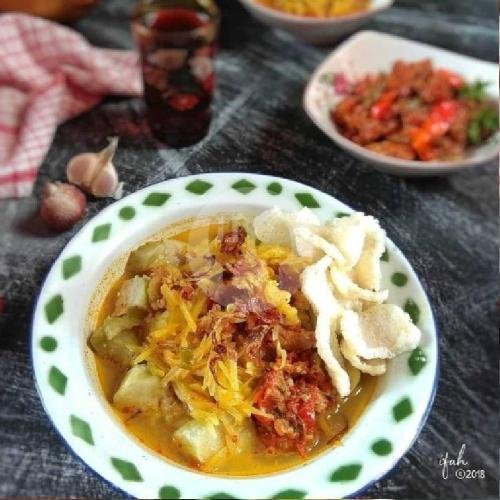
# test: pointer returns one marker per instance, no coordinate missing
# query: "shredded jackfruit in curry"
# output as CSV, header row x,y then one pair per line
x,y
212,344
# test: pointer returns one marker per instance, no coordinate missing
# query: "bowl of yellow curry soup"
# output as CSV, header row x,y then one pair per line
x,y
316,21
235,336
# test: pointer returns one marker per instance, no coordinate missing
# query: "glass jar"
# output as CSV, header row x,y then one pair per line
x,y
177,42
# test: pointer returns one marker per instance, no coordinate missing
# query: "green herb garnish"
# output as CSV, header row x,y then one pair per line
x,y
475,91
474,132
485,123
326,78
414,103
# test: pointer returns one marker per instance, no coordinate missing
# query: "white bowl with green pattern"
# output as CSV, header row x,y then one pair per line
x,y
69,390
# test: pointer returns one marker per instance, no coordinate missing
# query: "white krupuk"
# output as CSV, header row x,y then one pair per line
x,y
353,324
317,290
275,227
370,366
367,272
381,331
348,234
347,288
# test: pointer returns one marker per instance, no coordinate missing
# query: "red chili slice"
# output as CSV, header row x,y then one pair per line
x,y
382,108
436,125
307,414
262,400
183,102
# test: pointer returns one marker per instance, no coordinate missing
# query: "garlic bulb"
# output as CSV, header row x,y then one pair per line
x,y
96,173
62,205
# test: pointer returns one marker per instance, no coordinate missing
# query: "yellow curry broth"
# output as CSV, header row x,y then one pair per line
x,y
153,431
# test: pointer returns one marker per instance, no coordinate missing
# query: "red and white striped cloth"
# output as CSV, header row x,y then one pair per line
x,y
48,74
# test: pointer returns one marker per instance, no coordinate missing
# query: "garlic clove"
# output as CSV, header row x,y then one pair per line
x,y
105,183
81,169
119,191
96,173
108,153
62,205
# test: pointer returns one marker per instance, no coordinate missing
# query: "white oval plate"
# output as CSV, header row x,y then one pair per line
x,y
69,390
372,52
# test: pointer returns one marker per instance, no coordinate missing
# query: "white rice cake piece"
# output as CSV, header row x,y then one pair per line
x,y
381,331
370,366
199,440
351,291
317,290
147,255
133,293
139,390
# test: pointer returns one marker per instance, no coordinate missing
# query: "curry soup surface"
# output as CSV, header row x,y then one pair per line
x,y
151,428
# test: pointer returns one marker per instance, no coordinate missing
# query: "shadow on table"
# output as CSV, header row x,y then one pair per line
x,y
431,184
32,224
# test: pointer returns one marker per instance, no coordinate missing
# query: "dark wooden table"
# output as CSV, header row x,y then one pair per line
x,y
446,226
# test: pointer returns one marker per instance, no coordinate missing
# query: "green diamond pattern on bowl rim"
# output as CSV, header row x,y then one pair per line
x,y
402,409
81,429
274,188
48,343
58,380
244,186
127,213
101,233
198,187
290,495
413,310
169,493
71,266
399,279
346,473
417,361
220,496
307,200
382,447
156,199
54,308
127,470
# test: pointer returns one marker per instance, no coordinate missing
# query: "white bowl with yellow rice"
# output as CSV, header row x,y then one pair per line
x,y
316,21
